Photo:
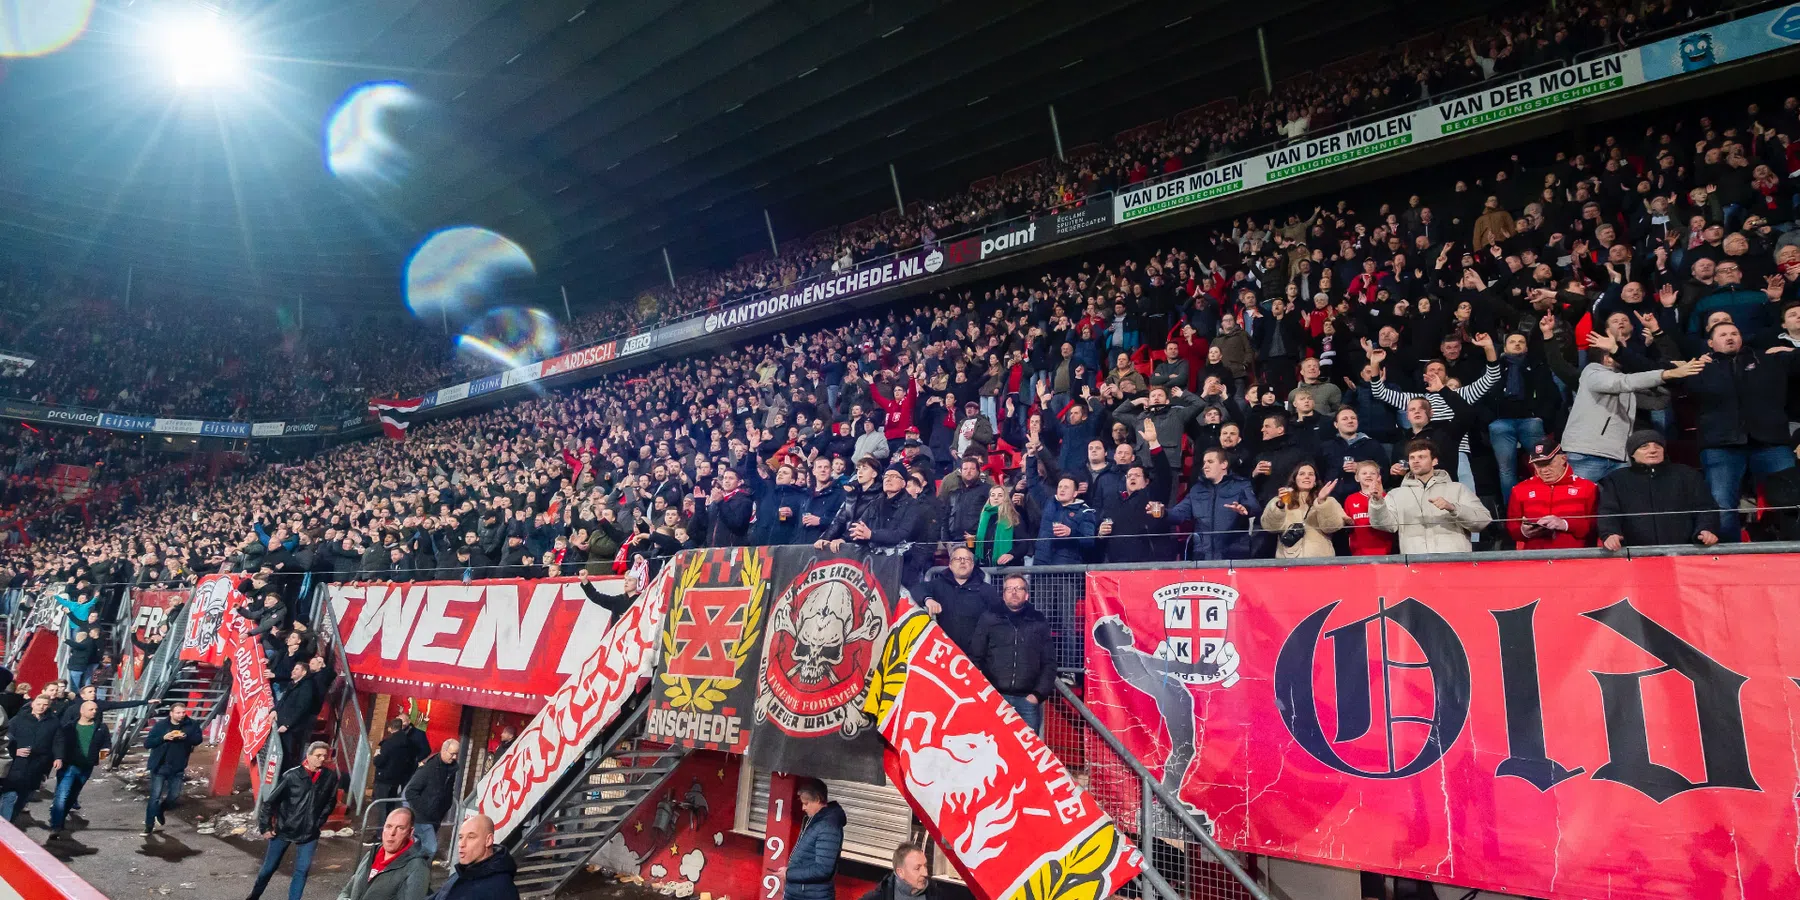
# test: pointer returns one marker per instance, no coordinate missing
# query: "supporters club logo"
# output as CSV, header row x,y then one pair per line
x,y
823,633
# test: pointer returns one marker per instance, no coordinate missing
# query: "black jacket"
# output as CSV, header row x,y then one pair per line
x,y
885,890
1136,535
432,790
400,755
1781,492
169,756
1650,505
300,703
1742,398
964,604
728,521
82,653
963,512
1283,453
1015,651
823,504
39,735
490,879
68,745
300,804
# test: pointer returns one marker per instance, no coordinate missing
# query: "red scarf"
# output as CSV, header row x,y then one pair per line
x,y
382,859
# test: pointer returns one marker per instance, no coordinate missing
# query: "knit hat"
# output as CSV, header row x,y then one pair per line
x,y
1641,437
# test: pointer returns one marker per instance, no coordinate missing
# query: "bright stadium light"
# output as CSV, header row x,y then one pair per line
x,y
197,48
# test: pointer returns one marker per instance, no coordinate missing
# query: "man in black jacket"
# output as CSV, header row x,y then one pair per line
x,y
1743,421
822,502
1013,649
910,880
891,520
484,869
959,595
169,742
398,756
964,494
1654,502
431,793
729,509
293,815
1134,522
78,746
31,738
298,709
616,604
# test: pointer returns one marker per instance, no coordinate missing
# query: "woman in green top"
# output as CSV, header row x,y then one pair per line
x,y
994,531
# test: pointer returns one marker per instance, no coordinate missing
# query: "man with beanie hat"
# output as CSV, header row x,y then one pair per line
x,y
1653,501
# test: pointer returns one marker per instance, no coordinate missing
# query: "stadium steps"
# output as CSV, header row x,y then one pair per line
x,y
201,687
618,774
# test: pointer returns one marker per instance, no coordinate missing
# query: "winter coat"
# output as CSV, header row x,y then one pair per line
x,y
963,509
1318,520
67,745
1572,499
1171,421
490,879
1081,519
770,530
821,503
885,890
813,860
1014,650
1136,535
1283,453
728,521
169,756
1651,505
406,877
1219,533
299,706
1742,397
964,603
300,804
432,790
400,753
39,735
1336,449
1605,410
1424,528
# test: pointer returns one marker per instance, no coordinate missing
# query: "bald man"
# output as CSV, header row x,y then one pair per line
x,y
484,871
396,869
431,793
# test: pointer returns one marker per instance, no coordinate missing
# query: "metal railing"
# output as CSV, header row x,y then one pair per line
x,y
1163,825
159,673
348,734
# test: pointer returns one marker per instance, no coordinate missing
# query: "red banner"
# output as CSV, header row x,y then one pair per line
x,y
502,644
250,693
205,640
1573,729
990,792
580,710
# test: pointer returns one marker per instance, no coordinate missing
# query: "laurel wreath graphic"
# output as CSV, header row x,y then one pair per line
x,y
705,694
888,675
1084,873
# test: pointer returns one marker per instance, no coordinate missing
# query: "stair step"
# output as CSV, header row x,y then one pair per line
x,y
542,867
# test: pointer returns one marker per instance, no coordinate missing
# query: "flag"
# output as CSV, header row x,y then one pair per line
x,y
395,414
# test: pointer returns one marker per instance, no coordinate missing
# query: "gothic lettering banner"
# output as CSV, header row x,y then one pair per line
x,y
992,794
1568,729
828,618
711,644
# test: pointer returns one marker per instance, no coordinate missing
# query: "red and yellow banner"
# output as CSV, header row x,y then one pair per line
x,y
991,793
1570,729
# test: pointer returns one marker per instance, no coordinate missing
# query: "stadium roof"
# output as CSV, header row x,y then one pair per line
x,y
596,134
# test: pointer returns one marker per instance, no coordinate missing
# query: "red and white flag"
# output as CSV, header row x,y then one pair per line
x,y
395,414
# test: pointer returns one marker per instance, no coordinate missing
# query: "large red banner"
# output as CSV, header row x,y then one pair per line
x,y
585,705
499,644
1569,729
250,693
1015,823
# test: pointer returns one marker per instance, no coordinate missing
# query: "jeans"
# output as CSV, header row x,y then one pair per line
x,y
1725,475
278,847
426,835
1032,713
68,788
1593,468
12,802
164,790
1508,436
78,678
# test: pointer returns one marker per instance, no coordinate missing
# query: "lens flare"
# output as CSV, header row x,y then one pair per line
x,y
510,336
359,136
197,48
40,27
463,269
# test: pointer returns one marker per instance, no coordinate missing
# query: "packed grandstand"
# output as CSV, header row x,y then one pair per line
x,y
1574,341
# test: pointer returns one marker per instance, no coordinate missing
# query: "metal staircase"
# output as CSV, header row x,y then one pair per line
x,y
619,773
203,688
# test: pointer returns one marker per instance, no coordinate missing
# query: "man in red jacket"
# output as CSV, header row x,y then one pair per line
x,y
1554,508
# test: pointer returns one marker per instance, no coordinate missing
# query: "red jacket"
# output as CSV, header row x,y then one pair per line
x,y
899,412
1366,539
1572,499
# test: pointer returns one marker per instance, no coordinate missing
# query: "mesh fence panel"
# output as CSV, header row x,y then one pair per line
x,y
1189,869
1058,595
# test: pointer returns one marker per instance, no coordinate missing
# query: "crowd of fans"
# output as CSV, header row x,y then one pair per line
x,y
187,356
1421,376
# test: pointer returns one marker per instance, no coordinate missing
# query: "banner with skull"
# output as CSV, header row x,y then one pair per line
x,y
828,619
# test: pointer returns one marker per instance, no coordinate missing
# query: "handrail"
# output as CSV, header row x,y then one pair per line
x,y
1169,801
354,745
159,672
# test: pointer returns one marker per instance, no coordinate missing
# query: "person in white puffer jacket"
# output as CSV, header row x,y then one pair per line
x,y
1430,511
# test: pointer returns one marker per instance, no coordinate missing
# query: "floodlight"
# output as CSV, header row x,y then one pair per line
x,y
198,49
